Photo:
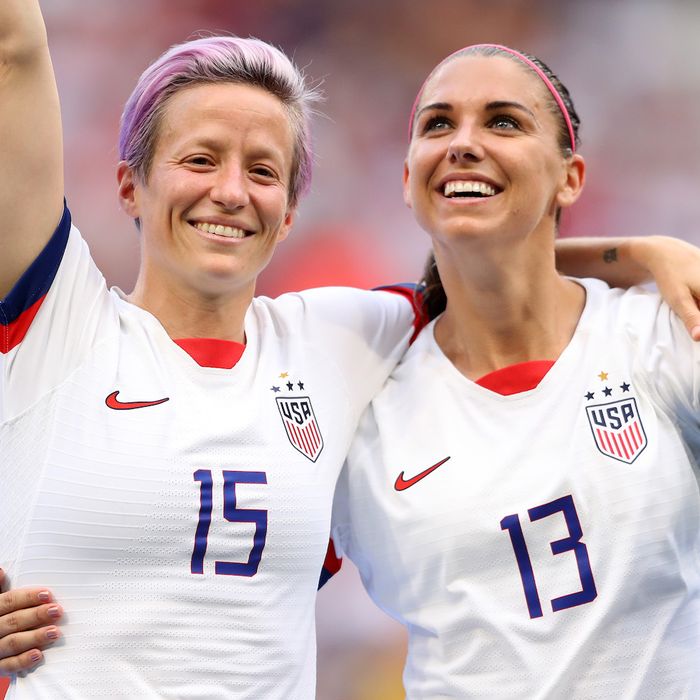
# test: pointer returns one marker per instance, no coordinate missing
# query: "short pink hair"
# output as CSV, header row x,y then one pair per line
x,y
212,60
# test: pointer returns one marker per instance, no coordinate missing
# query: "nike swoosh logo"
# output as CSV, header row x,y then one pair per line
x,y
403,484
113,402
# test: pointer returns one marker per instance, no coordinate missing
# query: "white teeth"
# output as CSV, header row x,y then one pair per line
x,y
454,186
219,230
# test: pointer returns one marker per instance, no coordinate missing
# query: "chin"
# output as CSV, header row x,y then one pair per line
x,y
217,279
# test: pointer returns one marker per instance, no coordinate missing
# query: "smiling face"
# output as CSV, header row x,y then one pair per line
x,y
215,203
484,159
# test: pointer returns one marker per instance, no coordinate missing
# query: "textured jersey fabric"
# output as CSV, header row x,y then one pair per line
x,y
179,513
544,544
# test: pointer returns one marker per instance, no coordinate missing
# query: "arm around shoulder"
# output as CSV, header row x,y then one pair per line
x,y
31,168
673,264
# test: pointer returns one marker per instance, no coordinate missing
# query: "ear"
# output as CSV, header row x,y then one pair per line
x,y
127,184
406,185
574,178
289,219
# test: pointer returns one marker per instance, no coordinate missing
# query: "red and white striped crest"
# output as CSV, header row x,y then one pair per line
x,y
301,425
617,429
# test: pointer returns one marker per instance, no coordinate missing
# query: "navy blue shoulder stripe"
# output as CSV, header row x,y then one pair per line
x,y
403,286
38,277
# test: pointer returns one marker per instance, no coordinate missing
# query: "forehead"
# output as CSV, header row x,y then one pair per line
x,y
227,113
484,78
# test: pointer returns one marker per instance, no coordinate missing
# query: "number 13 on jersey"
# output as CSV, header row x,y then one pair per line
x,y
564,505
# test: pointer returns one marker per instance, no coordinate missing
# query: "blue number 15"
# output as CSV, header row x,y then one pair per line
x,y
232,515
588,592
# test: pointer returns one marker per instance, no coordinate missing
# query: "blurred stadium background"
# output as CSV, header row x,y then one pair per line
x,y
633,67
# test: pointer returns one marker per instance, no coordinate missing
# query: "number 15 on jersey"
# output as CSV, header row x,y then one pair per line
x,y
232,514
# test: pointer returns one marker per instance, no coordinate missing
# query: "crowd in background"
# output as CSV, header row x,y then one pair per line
x,y
633,67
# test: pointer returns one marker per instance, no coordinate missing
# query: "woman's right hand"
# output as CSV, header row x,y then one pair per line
x,y
28,618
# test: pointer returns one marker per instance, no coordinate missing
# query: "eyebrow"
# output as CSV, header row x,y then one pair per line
x,y
491,106
442,106
501,104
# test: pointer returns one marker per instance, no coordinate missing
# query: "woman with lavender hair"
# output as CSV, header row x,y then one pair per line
x,y
170,455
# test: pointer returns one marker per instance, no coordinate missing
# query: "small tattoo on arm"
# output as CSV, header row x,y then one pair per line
x,y
610,255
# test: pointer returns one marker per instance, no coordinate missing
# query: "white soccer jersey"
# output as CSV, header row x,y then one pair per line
x,y
179,513
544,544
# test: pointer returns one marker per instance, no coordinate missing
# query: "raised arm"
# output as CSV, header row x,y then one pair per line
x,y
672,264
31,146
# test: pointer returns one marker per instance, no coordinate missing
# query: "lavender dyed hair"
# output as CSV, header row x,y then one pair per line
x,y
218,59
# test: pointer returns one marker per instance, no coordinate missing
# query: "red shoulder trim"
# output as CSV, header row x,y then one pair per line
x,y
13,333
413,293
331,565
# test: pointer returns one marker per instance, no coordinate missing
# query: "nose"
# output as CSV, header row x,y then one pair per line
x,y
230,188
465,145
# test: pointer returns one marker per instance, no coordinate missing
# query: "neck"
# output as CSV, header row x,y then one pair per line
x,y
504,307
185,312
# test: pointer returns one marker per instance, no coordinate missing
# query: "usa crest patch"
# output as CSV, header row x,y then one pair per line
x,y
617,429
299,419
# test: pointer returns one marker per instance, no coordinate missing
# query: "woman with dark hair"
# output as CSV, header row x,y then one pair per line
x,y
523,493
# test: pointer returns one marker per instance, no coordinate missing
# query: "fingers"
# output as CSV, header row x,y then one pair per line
x,y
22,662
22,599
31,619
22,651
28,618
685,306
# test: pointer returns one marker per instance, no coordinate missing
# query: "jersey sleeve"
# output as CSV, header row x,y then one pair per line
x,y
665,359
365,449
340,518
364,332
665,355
49,320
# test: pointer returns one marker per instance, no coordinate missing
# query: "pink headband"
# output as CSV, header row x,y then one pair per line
x,y
527,62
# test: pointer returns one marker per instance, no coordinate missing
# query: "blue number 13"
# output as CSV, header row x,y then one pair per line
x,y
232,515
588,592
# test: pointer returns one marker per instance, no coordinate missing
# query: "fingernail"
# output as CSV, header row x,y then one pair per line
x,y
52,633
44,596
695,333
35,655
54,611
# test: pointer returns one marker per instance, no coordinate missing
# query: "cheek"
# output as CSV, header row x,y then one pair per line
x,y
273,206
422,165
